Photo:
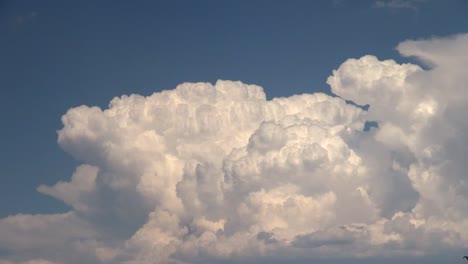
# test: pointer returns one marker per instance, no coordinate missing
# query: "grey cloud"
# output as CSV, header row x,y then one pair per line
x,y
338,237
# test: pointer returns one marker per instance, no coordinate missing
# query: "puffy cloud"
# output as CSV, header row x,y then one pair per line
x,y
44,238
204,172
74,192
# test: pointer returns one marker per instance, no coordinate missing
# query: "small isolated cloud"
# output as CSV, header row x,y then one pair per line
x,y
25,18
22,20
211,172
337,3
398,4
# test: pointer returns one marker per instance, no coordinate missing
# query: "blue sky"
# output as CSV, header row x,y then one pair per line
x,y
56,55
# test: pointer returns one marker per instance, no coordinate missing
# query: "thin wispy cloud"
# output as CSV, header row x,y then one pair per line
x,y
26,18
22,20
398,4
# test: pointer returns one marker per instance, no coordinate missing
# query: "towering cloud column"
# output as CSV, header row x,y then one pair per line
x,y
207,172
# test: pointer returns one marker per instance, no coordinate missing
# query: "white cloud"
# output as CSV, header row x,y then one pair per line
x,y
206,172
74,192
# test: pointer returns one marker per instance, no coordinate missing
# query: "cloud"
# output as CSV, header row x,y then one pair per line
x,y
19,21
33,261
398,4
207,172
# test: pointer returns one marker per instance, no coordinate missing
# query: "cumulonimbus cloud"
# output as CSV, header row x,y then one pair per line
x,y
210,172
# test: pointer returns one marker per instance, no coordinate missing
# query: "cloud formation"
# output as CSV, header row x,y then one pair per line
x,y
209,172
398,4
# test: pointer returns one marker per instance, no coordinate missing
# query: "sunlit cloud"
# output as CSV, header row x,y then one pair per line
x,y
207,172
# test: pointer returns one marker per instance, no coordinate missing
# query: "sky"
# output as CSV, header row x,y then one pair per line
x,y
260,122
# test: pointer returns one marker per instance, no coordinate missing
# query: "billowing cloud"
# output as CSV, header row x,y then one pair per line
x,y
207,172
